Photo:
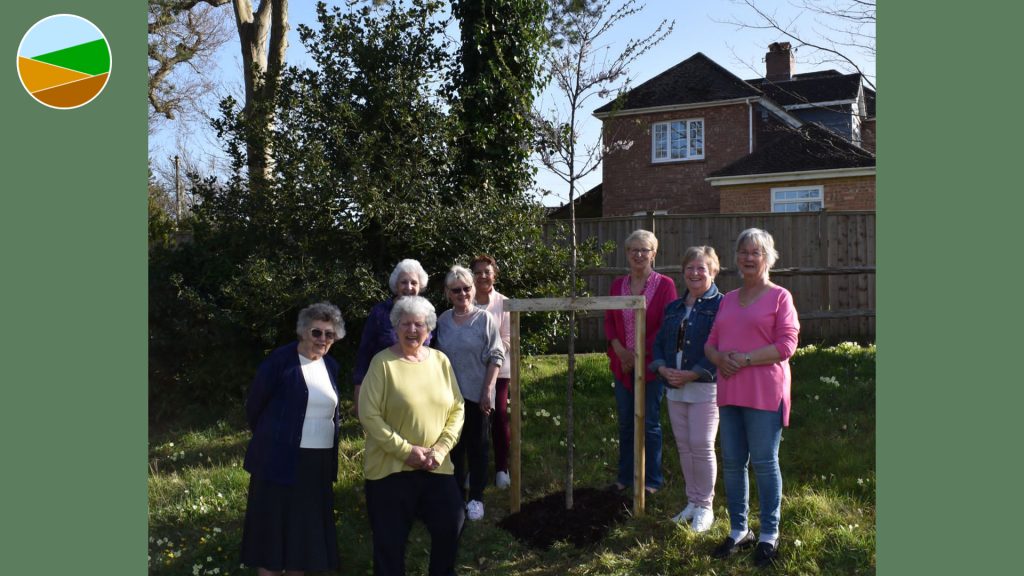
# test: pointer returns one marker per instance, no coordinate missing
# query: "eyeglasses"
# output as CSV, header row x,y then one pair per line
x,y
639,251
461,289
744,254
318,333
696,270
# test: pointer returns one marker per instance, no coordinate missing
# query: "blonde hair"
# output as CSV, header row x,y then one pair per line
x,y
645,236
709,255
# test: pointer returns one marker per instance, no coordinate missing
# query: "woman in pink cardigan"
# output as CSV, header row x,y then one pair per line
x,y
751,341
659,290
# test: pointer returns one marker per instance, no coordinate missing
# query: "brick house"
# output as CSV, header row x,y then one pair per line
x,y
698,139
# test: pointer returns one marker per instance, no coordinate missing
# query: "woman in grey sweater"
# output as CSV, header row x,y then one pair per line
x,y
469,337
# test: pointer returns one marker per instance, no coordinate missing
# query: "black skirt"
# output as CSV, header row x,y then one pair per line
x,y
291,527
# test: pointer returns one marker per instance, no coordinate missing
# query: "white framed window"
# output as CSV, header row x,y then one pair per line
x,y
798,199
677,140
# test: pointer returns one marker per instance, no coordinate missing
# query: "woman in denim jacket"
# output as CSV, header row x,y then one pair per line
x,y
690,381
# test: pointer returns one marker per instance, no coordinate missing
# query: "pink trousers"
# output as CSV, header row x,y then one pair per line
x,y
695,426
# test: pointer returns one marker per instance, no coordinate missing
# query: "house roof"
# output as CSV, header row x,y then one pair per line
x,y
694,80
588,205
804,90
808,148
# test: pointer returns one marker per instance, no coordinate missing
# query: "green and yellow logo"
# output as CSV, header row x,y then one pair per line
x,y
64,61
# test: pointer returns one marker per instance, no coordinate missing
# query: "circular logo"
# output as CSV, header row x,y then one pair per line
x,y
64,61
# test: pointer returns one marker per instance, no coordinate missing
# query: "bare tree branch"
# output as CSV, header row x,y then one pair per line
x,y
182,34
845,29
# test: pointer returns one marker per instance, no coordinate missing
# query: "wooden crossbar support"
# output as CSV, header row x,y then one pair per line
x,y
639,306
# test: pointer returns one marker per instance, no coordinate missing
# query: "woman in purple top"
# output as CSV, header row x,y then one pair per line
x,y
751,341
407,279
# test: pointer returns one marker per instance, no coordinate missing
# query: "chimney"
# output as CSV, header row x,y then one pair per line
x,y
779,62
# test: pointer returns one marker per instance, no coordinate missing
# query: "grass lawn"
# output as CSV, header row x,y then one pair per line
x,y
197,487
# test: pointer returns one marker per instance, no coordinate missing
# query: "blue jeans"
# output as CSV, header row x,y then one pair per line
x,y
751,435
652,424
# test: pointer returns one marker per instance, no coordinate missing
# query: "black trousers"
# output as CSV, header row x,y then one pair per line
x,y
473,445
394,502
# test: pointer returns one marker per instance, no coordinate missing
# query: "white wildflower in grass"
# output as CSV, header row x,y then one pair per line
x,y
797,543
170,444
815,396
860,481
829,380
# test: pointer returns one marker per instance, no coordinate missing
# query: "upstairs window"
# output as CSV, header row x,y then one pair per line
x,y
799,199
677,140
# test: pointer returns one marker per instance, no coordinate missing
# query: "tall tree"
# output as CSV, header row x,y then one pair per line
x,y
581,68
500,56
263,38
182,32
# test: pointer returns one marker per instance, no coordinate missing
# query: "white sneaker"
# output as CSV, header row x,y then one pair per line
x,y
703,518
686,515
501,480
475,510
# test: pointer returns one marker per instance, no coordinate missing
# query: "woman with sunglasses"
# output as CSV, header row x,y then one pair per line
x,y
658,290
292,459
754,335
469,337
690,380
407,279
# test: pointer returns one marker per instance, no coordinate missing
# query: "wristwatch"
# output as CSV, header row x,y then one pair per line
x,y
746,358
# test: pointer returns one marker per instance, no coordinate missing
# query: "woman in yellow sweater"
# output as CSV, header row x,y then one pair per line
x,y
412,410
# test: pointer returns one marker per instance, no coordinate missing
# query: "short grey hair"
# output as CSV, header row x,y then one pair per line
x,y
412,267
645,236
414,306
322,312
763,240
458,273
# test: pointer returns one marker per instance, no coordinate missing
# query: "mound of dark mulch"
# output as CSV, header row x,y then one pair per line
x,y
541,523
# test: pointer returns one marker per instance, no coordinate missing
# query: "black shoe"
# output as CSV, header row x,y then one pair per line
x,y
730,546
765,554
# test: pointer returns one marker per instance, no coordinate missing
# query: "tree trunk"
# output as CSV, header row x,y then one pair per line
x,y
262,63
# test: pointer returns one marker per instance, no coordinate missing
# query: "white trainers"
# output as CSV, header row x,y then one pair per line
x,y
703,518
686,515
475,510
501,480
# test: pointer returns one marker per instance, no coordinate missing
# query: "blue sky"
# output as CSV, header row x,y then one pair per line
x,y
57,32
700,26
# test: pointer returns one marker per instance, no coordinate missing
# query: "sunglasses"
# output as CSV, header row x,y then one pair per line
x,y
462,289
318,333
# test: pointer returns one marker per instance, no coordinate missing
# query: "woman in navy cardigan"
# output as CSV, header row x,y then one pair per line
x,y
292,458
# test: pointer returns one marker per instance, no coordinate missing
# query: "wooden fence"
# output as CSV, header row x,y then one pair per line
x,y
826,259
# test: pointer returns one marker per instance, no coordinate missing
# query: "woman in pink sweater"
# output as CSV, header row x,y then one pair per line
x,y
751,341
659,290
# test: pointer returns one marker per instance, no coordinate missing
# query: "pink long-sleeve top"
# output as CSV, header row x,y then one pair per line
x,y
771,319
659,291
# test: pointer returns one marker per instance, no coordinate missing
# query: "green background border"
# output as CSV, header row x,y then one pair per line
x,y
949,386
73,310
